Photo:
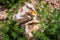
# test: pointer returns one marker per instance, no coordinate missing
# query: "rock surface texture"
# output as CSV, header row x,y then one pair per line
x,y
53,3
27,17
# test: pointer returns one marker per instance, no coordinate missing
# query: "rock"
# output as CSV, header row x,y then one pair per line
x,y
23,19
3,15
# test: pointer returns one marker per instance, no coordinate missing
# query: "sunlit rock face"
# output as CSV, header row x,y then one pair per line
x,y
3,15
24,14
29,28
52,3
27,17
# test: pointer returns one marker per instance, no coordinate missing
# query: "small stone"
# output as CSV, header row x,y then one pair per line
x,y
3,15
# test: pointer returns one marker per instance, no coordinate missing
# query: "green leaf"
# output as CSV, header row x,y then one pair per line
x,y
5,37
14,34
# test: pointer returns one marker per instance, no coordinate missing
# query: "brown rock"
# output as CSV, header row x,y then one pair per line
x,y
3,15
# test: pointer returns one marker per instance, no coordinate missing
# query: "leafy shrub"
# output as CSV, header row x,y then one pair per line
x,y
49,21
